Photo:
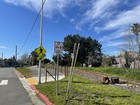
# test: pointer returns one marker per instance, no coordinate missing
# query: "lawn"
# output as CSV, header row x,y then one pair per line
x,y
132,74
86,92
24,71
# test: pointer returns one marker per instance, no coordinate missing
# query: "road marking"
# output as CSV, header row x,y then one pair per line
x,y
32,81
4,82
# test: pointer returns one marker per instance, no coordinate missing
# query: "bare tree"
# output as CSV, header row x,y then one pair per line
x,y
129,42
127,46
131,47
25,57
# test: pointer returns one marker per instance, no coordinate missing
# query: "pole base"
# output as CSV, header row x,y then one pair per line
x,y
39,82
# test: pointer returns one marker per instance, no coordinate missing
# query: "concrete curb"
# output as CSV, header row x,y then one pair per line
x,y
43,97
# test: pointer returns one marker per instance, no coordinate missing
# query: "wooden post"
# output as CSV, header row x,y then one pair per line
x,y
61,69
55,73
46,76
65,71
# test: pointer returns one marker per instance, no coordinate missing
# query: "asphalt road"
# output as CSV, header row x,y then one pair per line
x,y
13,93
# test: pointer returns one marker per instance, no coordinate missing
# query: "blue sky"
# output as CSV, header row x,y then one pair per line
x,y
104,20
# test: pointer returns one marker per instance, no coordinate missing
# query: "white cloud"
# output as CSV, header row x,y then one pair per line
x,y
98,10
51,7
115,35
3,47
124,19
72,20
113,52
31,4
114,43
107,9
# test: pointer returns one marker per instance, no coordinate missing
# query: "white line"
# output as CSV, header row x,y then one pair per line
x,y
4,82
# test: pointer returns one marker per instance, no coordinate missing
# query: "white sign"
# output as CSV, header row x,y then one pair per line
x,y
72,55
58,47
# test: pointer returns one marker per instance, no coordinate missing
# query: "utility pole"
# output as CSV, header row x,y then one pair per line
x,y
41,31
2,56
16,53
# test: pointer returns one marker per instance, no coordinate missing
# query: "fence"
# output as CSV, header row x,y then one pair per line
x,y
62,69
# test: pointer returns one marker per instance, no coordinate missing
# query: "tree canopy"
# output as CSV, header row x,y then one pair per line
x,y
89,51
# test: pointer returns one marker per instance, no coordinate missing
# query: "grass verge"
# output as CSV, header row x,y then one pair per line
x,y
132,74
86,92
24,71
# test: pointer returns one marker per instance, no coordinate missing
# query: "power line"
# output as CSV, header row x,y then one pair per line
x,y
31,29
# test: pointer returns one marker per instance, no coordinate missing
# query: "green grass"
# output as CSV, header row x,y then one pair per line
x,y
24,71
132,74
86,92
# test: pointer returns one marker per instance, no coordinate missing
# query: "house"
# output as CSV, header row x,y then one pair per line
x,y
128,59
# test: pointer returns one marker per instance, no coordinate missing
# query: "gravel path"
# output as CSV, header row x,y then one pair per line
x,y
98,77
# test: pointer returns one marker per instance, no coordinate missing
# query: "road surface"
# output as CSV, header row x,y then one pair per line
x,y
11,89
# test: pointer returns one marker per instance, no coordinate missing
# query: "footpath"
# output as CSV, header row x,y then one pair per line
x,y
34,79
28,83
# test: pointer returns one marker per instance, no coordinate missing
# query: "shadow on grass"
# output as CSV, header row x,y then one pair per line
x,y
85,97
80,82
98,103
123,96
80,100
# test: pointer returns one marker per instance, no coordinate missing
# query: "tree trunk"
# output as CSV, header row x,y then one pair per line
x,y
138,43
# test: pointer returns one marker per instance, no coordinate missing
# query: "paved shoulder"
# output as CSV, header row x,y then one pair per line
x,y
31,93
13,92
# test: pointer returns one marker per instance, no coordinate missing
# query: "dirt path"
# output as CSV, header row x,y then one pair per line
x,y
98,77
91,75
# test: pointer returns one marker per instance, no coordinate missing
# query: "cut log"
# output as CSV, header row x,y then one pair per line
x,y
115,80
105,80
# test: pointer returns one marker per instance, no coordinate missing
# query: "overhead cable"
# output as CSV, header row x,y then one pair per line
x,y
31,29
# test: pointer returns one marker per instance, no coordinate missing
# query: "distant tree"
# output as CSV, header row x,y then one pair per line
x,y
129,59
34,56
54,58
108,60
47,61
25,58
14,58
5,59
